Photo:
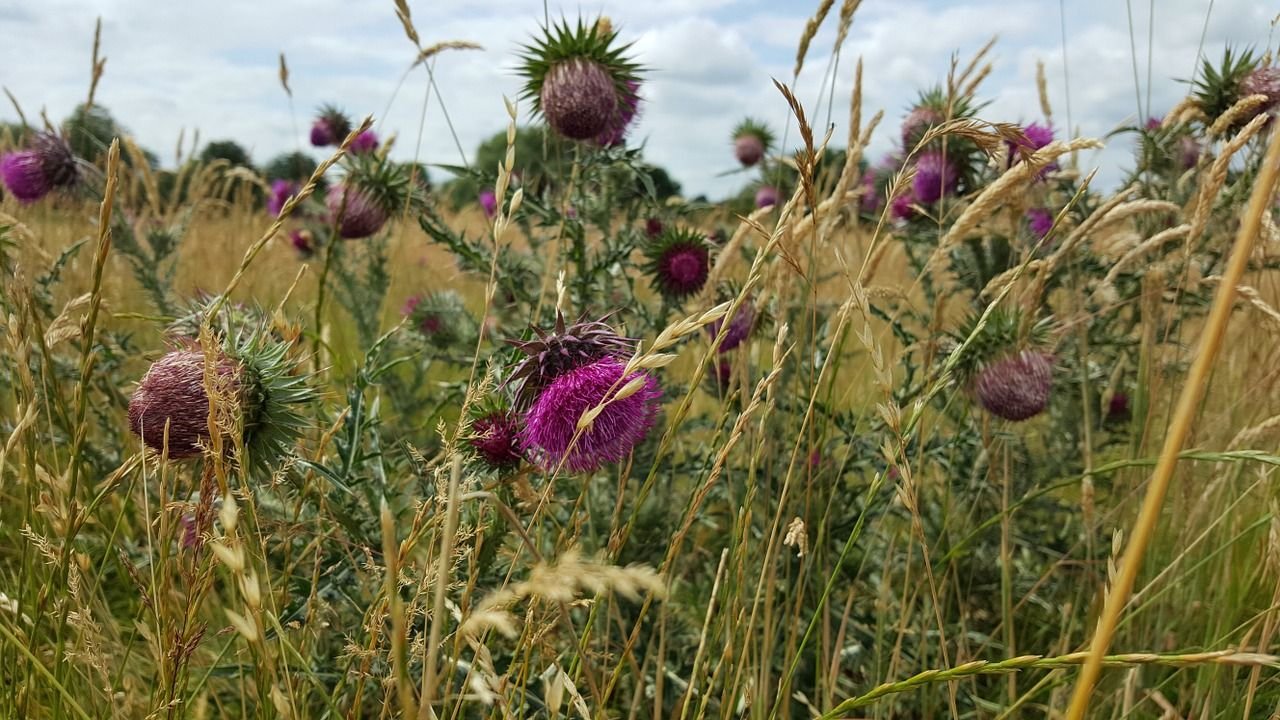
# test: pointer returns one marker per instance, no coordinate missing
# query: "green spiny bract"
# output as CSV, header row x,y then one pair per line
x,y
373,190
440,318
752,141
577,79
1219,87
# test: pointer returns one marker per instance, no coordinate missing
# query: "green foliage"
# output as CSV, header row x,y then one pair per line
x,y
296,166
228,150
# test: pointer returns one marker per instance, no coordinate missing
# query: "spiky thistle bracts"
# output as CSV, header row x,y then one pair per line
x,y
373,189
752,141
679,262
440,319
1218,87
551,353
552,423
330,127
45,165
492,435
578,79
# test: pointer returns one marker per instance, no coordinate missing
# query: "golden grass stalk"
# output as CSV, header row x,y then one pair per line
x,y
811,29
1188,402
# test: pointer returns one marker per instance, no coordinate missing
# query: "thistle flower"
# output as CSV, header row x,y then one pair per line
x,y
560,350
331,127
1188,152
751,140
552,422
253,372
303,242
740,327
870,201
901,208
488,202
679,262
281,191
437,318
1035,136
366,142
1263,81
936,177
720,375
1118,407
579,82
917,123
35,172
361,217
1039,222
766,196
1218,87
624,115
1016,387
493,436
653,227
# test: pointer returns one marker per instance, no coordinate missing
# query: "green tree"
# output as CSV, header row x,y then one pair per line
x,y
228,150
290,166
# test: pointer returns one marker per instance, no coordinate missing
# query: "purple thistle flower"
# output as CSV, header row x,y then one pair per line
x,y
1040,222
740,327
1035,136
1188,152
488,202
653,227
1263,81
495,439
766,196
1016,387
173,393
901,207
281,191
1153,123
560,350
330,127
33,173
917,123
321,134
1118,407
361,217
552,421
301,241
748,149
579,98
23,176
679,261
628,107
365,143
869,202
936,177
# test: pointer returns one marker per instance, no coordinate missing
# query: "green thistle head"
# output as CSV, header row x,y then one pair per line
x,y
440,319
1218,86
679,262
1005,333
492,435
577,79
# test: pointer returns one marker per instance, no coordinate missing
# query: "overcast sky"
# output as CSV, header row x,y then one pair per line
x,y
213,65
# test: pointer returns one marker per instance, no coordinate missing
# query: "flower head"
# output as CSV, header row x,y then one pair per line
x,y
740,327
551,424
624,115
766,196
561,349
437,318
359,215
1263,81
653,227
1017,386
917,123
493,436
1034,137
302,241
679,262
172,398
901,208
1039,222
48,163
331,127
870,201
366,142
751,140
1118,407
281,191
488,202
583,85
936,177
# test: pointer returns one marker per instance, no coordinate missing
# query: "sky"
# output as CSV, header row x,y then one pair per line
x,y
213,66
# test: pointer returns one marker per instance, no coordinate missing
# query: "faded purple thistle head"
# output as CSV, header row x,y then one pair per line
x,y
653,227
748,149
1188,152
495,439
917,123
488,202
625,114
560,350
901,208
361,217
1036,136
1263,81
173,393
33,173
870,202
330,127
936,177
301,241
1118,407
766,196
281,191
740,327
721,374
1039,222
1016,387
366,142
552,422
579,98
1153,123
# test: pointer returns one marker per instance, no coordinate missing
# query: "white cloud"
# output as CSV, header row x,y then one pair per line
x,y
213,65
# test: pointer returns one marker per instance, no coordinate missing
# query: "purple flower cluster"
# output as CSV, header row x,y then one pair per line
x,y
281,191
46,165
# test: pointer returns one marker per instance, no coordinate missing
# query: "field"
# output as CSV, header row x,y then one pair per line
x,y
956,433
